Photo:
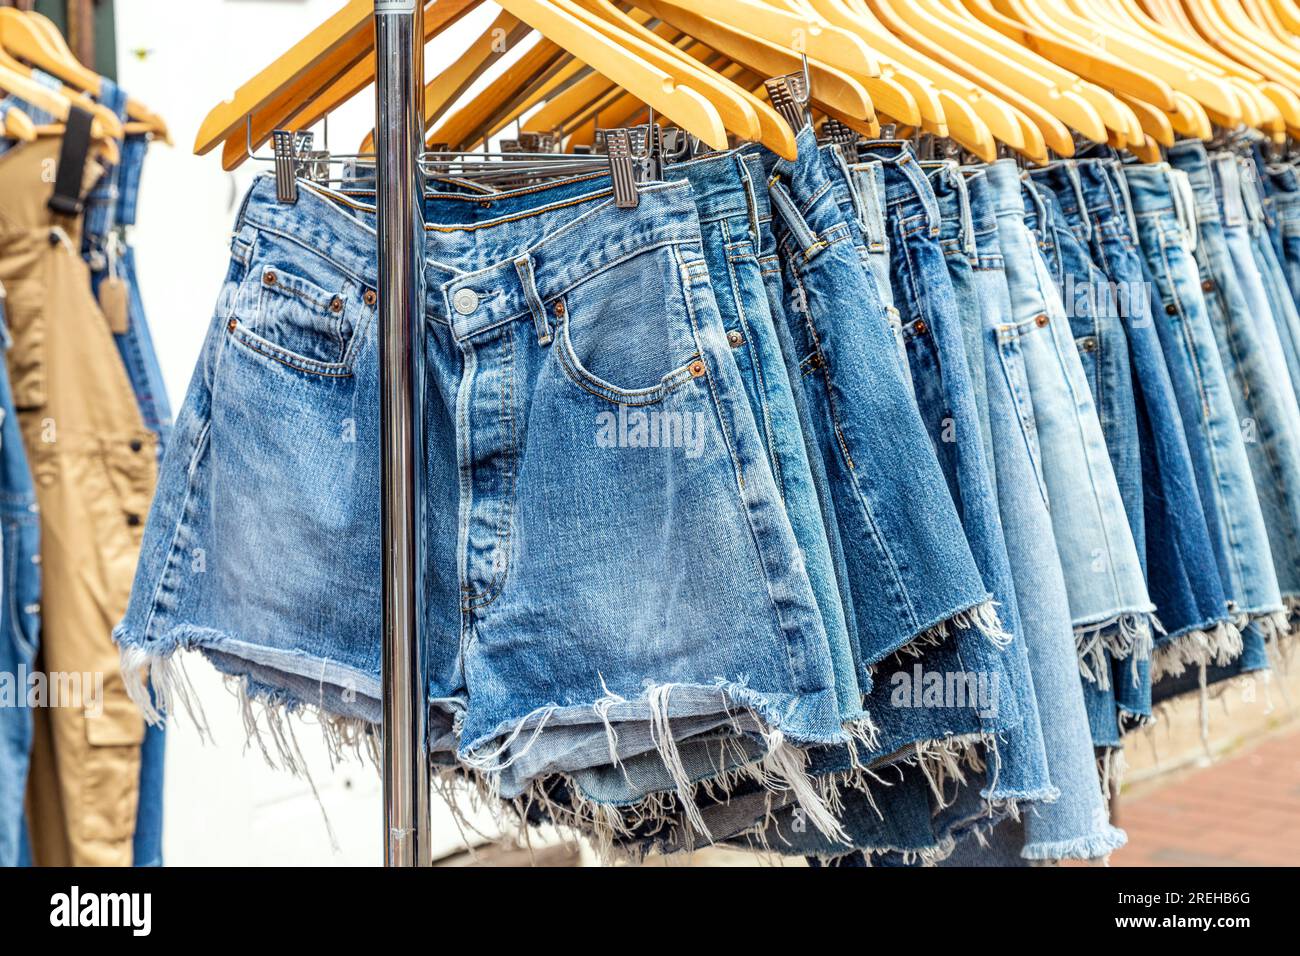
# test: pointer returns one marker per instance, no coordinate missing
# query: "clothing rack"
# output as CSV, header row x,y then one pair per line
x,y
399,142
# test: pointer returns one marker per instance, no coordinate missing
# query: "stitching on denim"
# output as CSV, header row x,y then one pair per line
x,y
632,398
255,343
1024,409
881,546
472,598
173,550
750,345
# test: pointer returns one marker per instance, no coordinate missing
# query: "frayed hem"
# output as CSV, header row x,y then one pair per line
x,y
1098,846
983,618
1219,646
1126,636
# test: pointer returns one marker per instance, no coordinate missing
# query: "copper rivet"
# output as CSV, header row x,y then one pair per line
x,y
231,325
734,338
268,278
920,328
1040,320
1208,285
697,368
1171,309
336,304
370,297
559,308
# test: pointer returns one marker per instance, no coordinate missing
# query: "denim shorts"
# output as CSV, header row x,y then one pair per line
x,y
1261,411
1109,602
607,549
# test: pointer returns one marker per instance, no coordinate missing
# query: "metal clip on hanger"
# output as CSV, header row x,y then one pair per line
x,y
790,95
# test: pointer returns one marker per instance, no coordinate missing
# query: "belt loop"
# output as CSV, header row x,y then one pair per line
x,y
1180,186
751,203
1040,207
967,214
783,203
867,182
1076,186
524,266
1127,197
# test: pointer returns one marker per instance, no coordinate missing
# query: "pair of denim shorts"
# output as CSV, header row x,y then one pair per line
x,y
611,568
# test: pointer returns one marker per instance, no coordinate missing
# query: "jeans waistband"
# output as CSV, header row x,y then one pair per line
x,y
956,224
1004,180
545,250
868,181
721,186
905,181
1190,157
1158,190
1227,186
1064,178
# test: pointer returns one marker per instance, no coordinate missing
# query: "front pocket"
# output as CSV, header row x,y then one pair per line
x,y
299,308
625,333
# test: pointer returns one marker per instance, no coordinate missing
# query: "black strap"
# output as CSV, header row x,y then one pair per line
x,y
72,163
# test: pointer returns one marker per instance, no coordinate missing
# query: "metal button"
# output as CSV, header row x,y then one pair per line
x,y
465,301
268,278
734,338
371,297
336,304
697,368
1040,320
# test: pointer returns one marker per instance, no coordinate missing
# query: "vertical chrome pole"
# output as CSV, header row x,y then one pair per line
x,y
399,140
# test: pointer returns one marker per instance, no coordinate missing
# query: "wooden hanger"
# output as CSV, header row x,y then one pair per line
x,y
1099,71
58,105
1016,67
493,43
1273,103
330,84
1055,132
746,116
1059,18
333,46
1118,117
953,90
18,126
831,88
1093,64
34,39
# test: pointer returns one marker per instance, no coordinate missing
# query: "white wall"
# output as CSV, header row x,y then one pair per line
x,y
223,805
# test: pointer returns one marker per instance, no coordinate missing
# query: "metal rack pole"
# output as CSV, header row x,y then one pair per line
x,y
399,126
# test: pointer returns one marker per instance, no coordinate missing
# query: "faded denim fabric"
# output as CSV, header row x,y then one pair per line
x,y
1261,405
1076,825
908,562
1166,219
573,565
1108,595
936,347
726,200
